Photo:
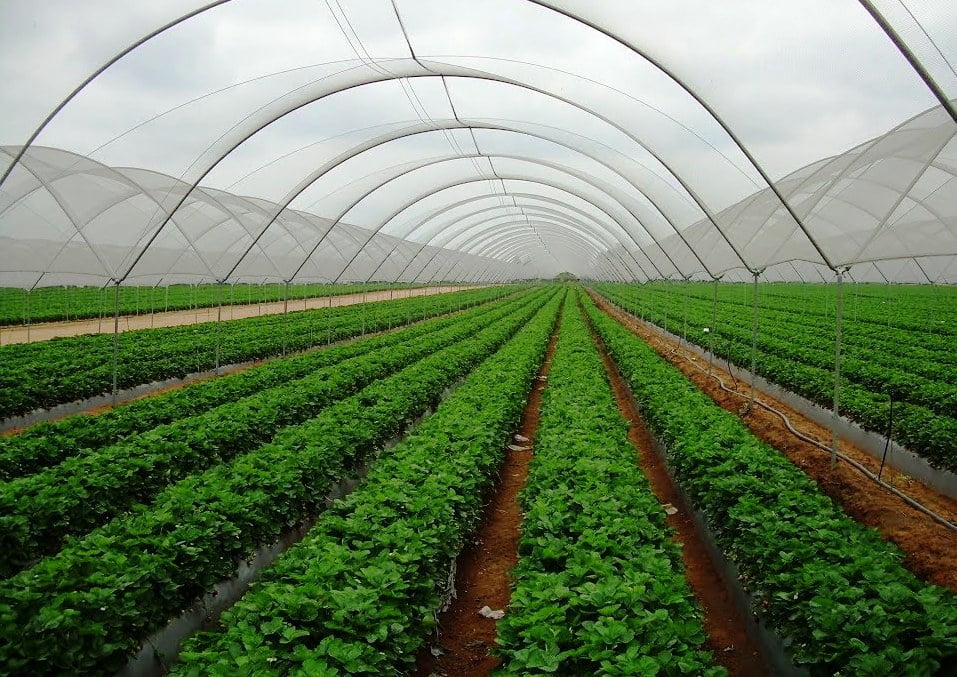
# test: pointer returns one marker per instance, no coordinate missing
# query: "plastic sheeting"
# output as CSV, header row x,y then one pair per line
x,y
425,139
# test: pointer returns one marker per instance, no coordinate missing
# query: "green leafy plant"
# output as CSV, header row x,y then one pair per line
x,y
600,585
834,592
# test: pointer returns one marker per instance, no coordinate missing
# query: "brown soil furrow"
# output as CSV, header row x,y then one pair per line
x,y
465,638
727,629
930,548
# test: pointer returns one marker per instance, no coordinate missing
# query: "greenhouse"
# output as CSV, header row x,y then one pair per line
x,y
517,337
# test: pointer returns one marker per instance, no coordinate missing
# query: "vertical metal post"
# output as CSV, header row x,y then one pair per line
x,y
329,318
664,314
26,310
99,322
714,324
363,312
116,338
839,319
285,315
754,340
684,328
219,322
391,293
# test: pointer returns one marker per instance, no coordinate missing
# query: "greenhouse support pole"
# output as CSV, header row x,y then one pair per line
x,y
684,329
219,324
391,294
116,337
26,309
329,318
363,312
153,304
99,320
664,312
714,324
838,322
285,315
754,340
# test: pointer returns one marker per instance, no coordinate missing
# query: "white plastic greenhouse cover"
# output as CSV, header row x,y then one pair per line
x,y
417,140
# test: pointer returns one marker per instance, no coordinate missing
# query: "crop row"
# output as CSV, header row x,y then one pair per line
x,y
85,609
38,511
876,311
600,585
47,373
46,444
835,592
47,304
359,594
931,434
872,358
927,342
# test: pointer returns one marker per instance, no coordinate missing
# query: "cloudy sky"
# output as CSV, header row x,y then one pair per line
x,y
796,81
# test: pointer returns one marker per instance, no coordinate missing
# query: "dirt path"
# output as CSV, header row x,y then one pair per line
x,y
174,318
482,569
726,627
930,547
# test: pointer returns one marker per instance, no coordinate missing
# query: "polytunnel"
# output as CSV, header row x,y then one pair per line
x,y
444,337
199,143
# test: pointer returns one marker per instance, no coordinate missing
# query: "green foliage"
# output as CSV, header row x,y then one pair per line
x,y
47,304
912,359
37,512
85,609
47,444
830,588
47,373
600,586
358,595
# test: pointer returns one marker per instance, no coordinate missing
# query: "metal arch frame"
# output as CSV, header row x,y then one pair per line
x,y
503,230
561,217
593,183
519,223
483,76
510,177
435,253
533,181
881,21
491,248
113,174
529,205
548,213
381,140
484,238
599,230
573,224
519,242
514,195
541,214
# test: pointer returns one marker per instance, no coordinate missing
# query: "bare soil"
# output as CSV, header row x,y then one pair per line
x,y
930,548
175,318
727,630
465,638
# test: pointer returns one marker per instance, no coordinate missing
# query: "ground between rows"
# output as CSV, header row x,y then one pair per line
x,y
930,548
465,637
727,629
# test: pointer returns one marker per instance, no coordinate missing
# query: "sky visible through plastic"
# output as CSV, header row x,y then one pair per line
x,y
322,140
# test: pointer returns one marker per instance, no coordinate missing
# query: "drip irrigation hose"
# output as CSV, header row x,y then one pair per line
x,y
917,505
